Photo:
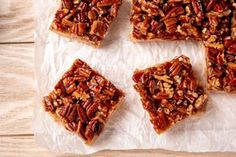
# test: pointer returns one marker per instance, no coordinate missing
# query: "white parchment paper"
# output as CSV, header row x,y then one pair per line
x,y
129,127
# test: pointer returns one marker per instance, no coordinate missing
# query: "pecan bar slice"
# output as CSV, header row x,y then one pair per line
x,y
85,20
83,101
169,92
172,19
221,65
220,42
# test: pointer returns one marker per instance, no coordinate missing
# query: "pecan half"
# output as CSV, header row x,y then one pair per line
x,y
82,114
48,105
171,25
98,28
197,6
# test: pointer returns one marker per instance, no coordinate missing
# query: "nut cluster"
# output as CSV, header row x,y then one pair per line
x,y
82,101
211,21
169,92
88,20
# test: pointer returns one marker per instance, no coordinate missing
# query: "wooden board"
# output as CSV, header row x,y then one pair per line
x,y
16,21
25,146
17,88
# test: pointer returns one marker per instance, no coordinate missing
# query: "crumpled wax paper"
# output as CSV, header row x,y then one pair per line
x,y
129,127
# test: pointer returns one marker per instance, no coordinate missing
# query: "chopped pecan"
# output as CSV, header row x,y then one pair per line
x,y
109,91
79,94
103,110
175,68
96,126
86,72
230,46
187,29
164,78
151,9
92,15
210,5
153,86
82,7
81,28
200,102
71,113
67,23
105,3
171,25
214,21
81,130
160,122
233,24
89,134
92,109
67,4
232,66
174,12
82,114
98,28
71,126
197,6
61,112
94,86
78,29
61,13
232,82
114,10
47,104
69,84
160,96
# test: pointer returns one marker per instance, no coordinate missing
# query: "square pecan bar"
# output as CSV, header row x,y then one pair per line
x,y
221,65
85,20
162,19
170,92
220,42
82,101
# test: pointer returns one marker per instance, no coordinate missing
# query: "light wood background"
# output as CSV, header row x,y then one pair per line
x,y
17,89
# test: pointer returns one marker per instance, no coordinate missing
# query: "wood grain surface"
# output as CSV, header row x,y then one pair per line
x,y
25,146
17,89
16,21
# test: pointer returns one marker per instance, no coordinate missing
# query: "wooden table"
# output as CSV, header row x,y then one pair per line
x,y
17,88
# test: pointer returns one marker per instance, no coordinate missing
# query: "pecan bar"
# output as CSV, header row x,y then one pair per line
x,y
221,65
220,42
82,101
85,20
210,21
162,19
169,92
